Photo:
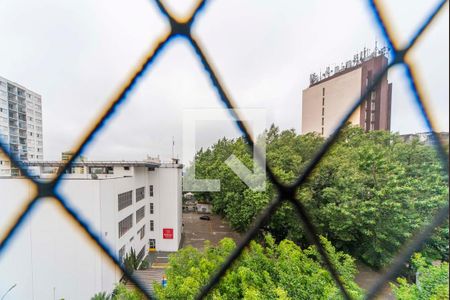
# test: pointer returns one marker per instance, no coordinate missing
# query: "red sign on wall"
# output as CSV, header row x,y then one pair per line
x,y
168,233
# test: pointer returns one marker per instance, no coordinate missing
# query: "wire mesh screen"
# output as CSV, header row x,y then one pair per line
x,y
286,193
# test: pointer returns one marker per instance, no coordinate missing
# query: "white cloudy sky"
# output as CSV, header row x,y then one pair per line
x,y
77,53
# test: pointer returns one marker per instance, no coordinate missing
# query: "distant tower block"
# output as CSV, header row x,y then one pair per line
x,y
328,98
20,125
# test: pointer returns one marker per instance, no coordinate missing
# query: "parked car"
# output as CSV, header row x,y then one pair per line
x,y
207,218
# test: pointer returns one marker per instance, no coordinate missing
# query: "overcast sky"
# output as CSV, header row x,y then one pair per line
x,y
77,53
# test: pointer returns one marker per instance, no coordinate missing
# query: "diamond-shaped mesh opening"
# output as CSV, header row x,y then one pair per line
x,y
50,259
286,193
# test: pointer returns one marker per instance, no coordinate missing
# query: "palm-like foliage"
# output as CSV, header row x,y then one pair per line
x,y
102,296
131,262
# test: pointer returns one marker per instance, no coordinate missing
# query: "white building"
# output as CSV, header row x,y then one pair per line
x,y
129,204
20,124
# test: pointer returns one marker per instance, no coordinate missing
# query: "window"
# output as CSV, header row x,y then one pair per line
x,y
140,214
140,194
323,101
152,225
151,190
323,121
125,225
151,209
152,243
323,92
141,232
323,111
125,200
126,168
322,131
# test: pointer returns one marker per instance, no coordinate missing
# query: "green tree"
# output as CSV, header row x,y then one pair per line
x,y
121,292
272,271
101,296
373,191
432,282
369,194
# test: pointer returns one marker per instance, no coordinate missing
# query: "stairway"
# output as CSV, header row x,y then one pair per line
x,y
147,277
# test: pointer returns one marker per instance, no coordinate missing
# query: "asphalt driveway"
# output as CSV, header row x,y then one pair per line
x,y
197,231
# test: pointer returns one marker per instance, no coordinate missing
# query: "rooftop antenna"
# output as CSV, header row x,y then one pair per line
x,y
173,147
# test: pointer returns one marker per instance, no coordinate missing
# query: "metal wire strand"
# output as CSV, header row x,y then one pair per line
x,y
284,192
426,115
231,106
121,97
95,237
412,246
282,189
16,162
250,235
17,223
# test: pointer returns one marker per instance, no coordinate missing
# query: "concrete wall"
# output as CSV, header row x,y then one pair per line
x,y
340,93
169,208
50,257
16,261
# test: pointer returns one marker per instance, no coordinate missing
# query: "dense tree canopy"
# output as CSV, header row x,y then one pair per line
x,y
121,292
369,194
274,271
431,282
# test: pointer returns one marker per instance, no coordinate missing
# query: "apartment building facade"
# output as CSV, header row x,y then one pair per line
x,y
332,94
129,205
20,125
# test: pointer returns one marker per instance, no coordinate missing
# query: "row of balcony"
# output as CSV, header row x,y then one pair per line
x,y
16,90
13,124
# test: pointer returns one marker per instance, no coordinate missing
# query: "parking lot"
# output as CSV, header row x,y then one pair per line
x,y
197,231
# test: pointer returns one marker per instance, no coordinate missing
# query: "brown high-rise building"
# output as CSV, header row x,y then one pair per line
x,y
331,94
